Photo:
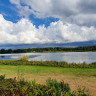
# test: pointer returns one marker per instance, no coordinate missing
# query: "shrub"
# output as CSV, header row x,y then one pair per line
x,y
2,77
24,58
11,87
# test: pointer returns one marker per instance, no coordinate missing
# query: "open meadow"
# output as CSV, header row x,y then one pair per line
x,y
75,77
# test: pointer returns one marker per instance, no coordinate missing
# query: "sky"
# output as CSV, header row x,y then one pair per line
x,y
47,21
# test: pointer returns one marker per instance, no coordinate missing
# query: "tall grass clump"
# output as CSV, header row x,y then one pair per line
x,y
24,58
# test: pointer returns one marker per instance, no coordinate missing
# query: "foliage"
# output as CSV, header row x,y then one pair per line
x,y
2,77
24,58
12,87
24,61
50,49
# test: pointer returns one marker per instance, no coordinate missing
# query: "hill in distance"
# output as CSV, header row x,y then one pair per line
x,y
65,45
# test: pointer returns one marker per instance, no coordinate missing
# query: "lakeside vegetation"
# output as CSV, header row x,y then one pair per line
x,y
41,71
12,87
49,49
24,61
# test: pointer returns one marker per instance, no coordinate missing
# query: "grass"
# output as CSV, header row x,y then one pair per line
x,y
24,69
63,64
74,76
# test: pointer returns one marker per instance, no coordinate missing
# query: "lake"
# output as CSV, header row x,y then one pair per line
x,y
77,57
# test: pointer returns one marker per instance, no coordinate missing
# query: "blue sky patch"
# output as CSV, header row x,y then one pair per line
x,y
10,13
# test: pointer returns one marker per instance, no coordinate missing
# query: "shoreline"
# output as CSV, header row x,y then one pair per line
x,y
48,63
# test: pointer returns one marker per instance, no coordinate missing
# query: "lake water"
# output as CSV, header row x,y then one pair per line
x,y
77,57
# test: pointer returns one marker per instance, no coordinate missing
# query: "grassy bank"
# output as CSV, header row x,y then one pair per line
x,y
24,61
76,75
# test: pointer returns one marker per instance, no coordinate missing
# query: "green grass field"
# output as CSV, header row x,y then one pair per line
x,y
76,77
10,70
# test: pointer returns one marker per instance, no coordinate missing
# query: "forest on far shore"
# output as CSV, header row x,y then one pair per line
x,y
49,49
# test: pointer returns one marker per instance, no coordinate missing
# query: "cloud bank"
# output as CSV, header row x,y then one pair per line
x,y
80,12
57,32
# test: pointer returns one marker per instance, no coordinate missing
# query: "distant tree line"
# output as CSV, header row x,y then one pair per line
x,y
49,49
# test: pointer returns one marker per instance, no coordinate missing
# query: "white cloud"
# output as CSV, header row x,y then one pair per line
x,y
25,32
80,12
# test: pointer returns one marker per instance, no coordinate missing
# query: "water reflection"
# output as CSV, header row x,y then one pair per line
x,y
77,57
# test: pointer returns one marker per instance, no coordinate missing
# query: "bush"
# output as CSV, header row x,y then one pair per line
x,y
11,87
2,77
24,58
